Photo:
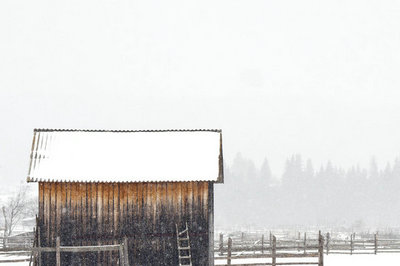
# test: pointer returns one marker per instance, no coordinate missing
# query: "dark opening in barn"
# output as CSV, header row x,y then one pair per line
x,y
104,187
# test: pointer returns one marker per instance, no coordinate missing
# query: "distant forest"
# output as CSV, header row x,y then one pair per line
x,y
355,198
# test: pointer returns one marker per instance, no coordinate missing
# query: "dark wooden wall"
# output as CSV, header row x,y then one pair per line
x,y
103,213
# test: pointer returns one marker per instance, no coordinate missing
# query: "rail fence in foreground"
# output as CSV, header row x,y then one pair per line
x,y
244,245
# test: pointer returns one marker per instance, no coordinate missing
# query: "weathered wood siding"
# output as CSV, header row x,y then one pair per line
x,y
103,213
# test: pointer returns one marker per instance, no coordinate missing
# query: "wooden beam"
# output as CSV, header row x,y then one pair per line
x,y
58,258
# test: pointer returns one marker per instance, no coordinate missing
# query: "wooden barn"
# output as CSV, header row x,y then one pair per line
x,y
98,187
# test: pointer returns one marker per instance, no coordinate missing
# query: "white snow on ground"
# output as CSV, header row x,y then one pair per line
x,y
363,260
330,260
4,257
335,260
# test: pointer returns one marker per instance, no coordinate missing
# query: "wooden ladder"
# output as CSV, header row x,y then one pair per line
x,y
185,257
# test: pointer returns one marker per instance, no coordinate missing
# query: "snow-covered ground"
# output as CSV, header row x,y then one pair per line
x,y
363,260
337,260
330,260
5,257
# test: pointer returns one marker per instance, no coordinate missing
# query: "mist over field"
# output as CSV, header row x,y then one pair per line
x,y
328,195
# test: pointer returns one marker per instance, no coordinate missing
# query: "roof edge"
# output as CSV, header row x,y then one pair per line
x,y
125,131
44,180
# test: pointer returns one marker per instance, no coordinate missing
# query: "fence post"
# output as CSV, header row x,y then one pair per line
x,y
376,243
305,242
320,249
221,244
228,261
298,241
262,244
39,246
126,255
121,254
351,244
58,258
34,244
328,237
273,251
270,242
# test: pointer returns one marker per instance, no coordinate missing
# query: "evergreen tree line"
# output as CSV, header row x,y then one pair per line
x,y
329,196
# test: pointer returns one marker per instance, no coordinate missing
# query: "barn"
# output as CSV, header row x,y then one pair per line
x,y
97,187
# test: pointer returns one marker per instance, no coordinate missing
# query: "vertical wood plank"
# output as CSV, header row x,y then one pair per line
x,y
121,255
228,261
46,217
53,213
110,229
58,258
39,246
351,244
320,249
327,242
210,223
105,219
273,250
262,244
58,208
99,220
221,244
115,212
126,252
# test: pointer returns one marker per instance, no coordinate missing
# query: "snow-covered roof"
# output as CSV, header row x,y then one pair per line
x,y
126,156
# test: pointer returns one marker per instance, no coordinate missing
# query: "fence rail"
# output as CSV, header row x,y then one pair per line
x,y
37,250
307,243
269,250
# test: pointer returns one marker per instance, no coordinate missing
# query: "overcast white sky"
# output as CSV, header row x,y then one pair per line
x,y
278,77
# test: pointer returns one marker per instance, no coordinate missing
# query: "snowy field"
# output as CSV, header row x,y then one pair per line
x,y
337,260
330,260
365,260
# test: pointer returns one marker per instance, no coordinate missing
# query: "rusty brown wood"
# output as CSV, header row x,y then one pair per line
x,y
115,211
99,216
46,215
102,213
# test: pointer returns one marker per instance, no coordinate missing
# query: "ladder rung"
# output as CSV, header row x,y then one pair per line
x,y
185,258
184,231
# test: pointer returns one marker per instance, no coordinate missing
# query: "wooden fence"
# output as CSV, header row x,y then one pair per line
x,y
19,241
306,243
28,248
122,248
16,248
272,250
372,245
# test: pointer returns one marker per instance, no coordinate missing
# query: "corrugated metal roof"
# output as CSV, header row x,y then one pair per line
x,y
72,155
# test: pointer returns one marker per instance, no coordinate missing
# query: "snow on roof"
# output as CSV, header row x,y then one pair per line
x,y
126,156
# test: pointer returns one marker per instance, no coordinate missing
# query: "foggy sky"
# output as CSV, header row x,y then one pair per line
x,y
278,77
